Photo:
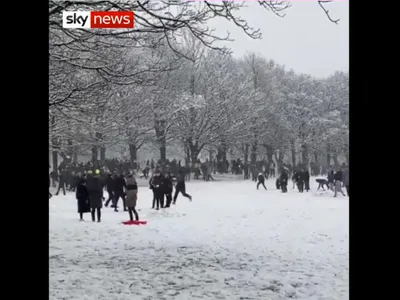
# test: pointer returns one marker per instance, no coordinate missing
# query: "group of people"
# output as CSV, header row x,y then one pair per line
x,y
90,186
281,182
301,179
89,195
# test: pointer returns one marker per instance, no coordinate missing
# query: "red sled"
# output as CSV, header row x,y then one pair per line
x,y
134,222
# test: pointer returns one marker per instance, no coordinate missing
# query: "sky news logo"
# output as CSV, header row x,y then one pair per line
x,y
98,19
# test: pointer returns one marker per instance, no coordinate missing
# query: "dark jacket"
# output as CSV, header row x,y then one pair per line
x,y
261,177
110,182
331,177
338,176
155,183
83,198
119,184
284,177
180,179
167,184
95,191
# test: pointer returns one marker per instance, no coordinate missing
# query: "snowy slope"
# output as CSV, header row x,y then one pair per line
x,y
232,242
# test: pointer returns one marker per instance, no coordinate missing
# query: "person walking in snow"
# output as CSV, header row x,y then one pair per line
x,y
119,186
110,181
338,177
95,192
180,187
261,180
131,196
82,197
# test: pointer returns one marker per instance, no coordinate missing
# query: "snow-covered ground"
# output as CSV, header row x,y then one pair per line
x,y
232,242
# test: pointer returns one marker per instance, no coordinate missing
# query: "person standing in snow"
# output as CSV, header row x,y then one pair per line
x,y
306,176
261,180
300,180
154,194
95,192
156,186
168,188
180,187
131,196
82,197
338,177
284,178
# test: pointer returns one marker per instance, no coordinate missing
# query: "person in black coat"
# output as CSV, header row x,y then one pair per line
x,y
306,176
82,196
261,180
278,183
300,181
119,186
167,187
284,178
95,192
110,182
180,187
154,194
156,186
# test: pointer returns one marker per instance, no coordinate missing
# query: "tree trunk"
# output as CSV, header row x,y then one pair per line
x,y
194,152
246,153
221,158
328,155
304,156
55,160
94,155
103,155
54,145
70,149
293,150
336,161
347,158
316,156
75,155
253,155
132,152
279,159
270,153
161,139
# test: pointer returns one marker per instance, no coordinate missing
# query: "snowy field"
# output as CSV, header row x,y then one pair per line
x,y
232,242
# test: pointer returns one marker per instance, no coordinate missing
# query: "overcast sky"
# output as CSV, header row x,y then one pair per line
x,y
304,40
